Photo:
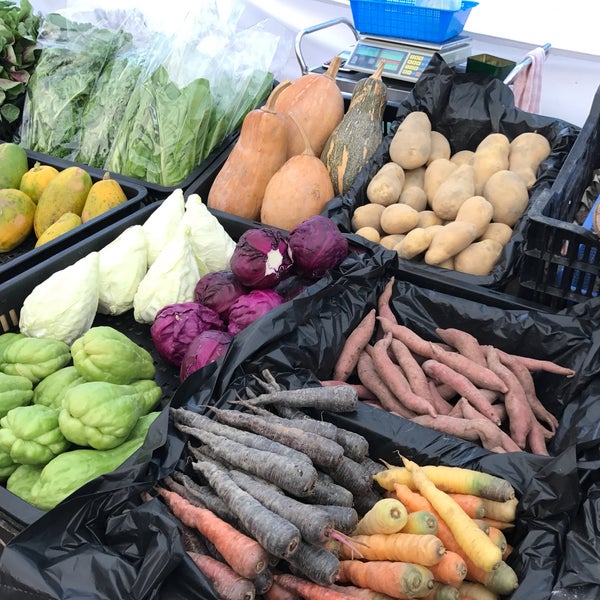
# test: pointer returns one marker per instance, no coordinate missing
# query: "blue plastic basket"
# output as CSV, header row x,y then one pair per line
x,y
399,19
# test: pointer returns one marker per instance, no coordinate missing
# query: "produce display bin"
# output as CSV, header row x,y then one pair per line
x,y
405,19
561,265
440,93
25,255
14,512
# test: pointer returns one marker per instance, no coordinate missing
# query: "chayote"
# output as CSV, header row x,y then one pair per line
x,y
15,390
7,466
44,488
105,354
31,435
102,415
51,390
34,358
8,338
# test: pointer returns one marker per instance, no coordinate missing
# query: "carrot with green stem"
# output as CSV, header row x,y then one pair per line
x,y
467,344
442,591
451,569
371,379
388,515
502,581
421,522
442,373
474,542
498,538
322,451
469,590
424,550
397,579
242,553
314,524
275,534
296,477
458,480
483,525
395,379
355,342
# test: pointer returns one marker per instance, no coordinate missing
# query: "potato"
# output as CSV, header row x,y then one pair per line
x,y
427,218
411,144
491,155
451,193
500,232
463,157
527,151
386,185
415,242
414,177
435,174
476,210
507,193
440,147
369,233
367,215
478,258
414,197
447,264
389,241
449,240
398,218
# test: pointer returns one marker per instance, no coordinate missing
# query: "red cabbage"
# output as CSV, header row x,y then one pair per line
x,y
260,258
219,290
253,305
176,325
317,245
205,348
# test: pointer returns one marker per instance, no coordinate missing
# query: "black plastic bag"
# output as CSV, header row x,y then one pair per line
x,y
465,107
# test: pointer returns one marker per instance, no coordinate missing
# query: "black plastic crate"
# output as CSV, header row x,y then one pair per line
x,y
561,265
25,255
14,512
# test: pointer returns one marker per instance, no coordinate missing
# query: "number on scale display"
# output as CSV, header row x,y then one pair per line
x,y
398,63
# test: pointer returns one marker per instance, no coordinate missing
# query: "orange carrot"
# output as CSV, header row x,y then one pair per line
x,y
361,593
397,579
502,580
501,511
424,550
507,552
483,525
498,538
451,570
226,582
355,343
307,589
502,525
278,592
471,504
387,515
242,553
475,591
421,521
383,302
474,542
441,591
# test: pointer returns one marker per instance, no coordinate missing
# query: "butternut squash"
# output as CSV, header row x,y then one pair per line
x,y
298,190
411,145
259,152
354,141
317,103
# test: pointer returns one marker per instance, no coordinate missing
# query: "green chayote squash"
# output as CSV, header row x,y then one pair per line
x,y
6,339
7,466
51,390
45,487
102,415
15,390
105,354
34,358
31,435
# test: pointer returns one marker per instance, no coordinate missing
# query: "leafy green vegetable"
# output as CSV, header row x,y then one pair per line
x,y
19,27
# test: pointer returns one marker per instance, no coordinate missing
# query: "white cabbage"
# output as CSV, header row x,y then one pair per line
x,y
63,306
170,279
162,224
212,245
122,266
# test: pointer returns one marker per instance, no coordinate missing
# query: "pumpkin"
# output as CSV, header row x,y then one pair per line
x,y
317,104
354,141
300,189
259,152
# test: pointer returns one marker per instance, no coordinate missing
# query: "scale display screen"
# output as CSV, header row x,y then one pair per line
x,y
399,63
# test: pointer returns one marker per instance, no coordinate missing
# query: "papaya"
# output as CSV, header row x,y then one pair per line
x,y
104,195
13,165
35,180
17,210
65,223
67,192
